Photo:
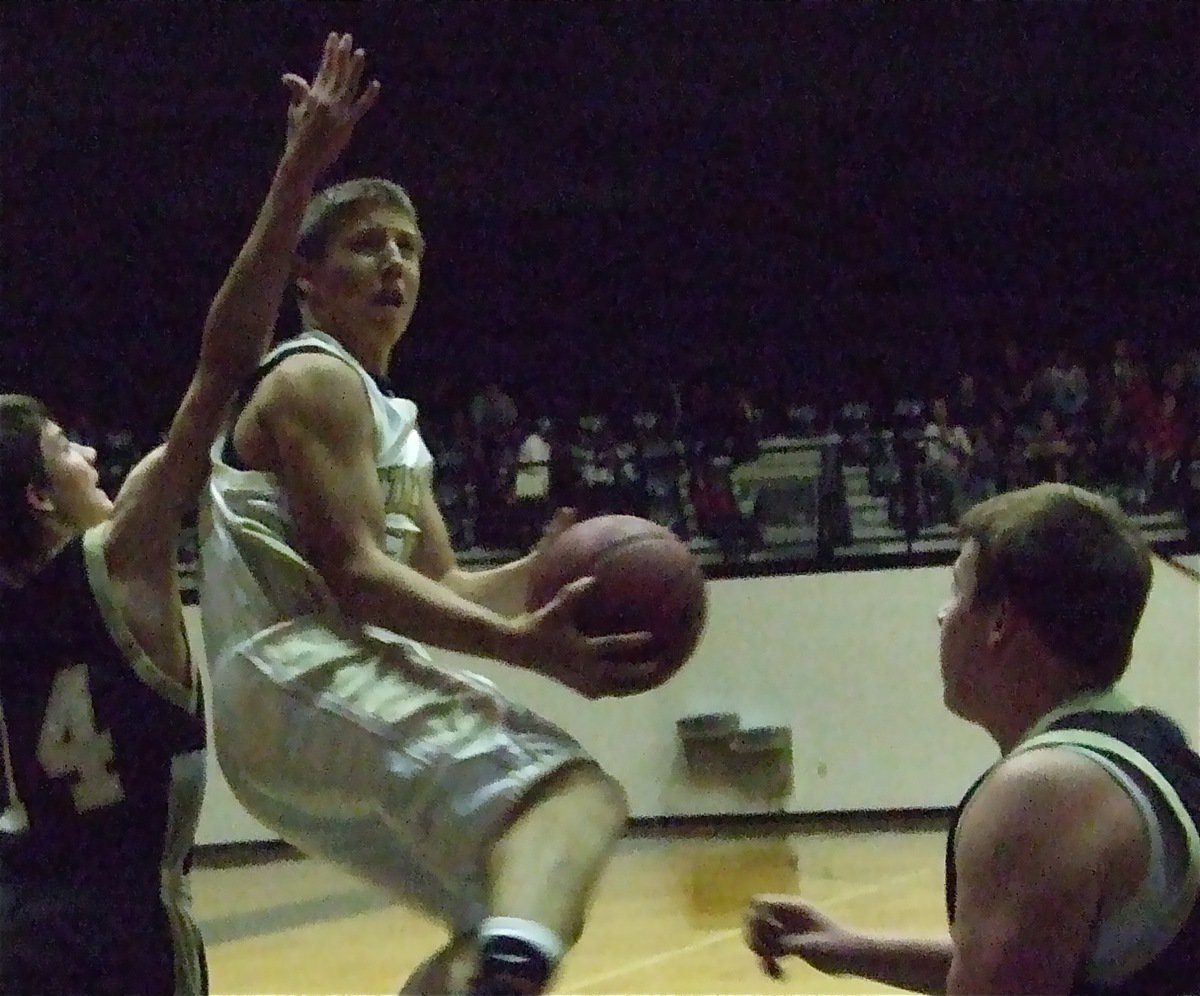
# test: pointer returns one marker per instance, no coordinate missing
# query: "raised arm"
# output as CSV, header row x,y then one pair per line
x,y
240,321
314,413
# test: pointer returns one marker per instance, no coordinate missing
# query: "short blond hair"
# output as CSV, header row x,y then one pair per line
x,y
330,208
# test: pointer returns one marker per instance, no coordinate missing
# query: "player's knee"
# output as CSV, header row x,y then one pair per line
x,y
594,799
564,835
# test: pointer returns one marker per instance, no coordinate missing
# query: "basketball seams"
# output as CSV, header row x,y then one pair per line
x,y
621,545
589,565
646,578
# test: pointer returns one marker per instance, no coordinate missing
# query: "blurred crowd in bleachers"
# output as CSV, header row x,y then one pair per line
x,y
1113,420
1118,423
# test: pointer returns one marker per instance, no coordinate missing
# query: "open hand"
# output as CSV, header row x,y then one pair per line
x,y
552,644
322,114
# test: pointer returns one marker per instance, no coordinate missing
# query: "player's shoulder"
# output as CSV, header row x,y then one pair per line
x,y
313,387
310,370
1051,792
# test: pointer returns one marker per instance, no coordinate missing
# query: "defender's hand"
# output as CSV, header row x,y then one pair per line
x,y
322,114
787,925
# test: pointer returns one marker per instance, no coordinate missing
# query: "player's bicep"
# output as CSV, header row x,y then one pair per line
x,y
1029,869
321,436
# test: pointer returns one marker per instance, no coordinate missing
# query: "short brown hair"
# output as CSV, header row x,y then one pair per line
x,y
1074,564
22,420
329,209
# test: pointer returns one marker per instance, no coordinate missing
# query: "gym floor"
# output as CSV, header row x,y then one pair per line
x,y
666,919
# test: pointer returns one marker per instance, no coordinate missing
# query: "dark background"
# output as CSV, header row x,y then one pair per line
x,y
785,194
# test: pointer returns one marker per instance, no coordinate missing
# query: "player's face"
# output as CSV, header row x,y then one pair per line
x,y
963,634
74,496
370,274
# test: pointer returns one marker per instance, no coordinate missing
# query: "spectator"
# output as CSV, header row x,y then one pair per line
x,y
1049,453
1012,382
853,424
494,415
1189,487
531,483
1065,385
982,469
628,471
661,458
460,461
594,456
967,408
802,420
715,505
1166,440
946,449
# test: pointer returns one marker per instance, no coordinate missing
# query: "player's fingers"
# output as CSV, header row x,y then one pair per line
x,y
341,60
622,644
297,88
325,67
764,931
570,593
354,71
784,914
562,518
765,950
762,937
333,64
758,931
613,642
365,102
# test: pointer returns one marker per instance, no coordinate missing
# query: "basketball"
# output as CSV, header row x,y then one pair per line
x,y
646,579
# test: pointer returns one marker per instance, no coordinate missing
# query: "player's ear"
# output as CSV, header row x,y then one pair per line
x,y
39,499
1003,616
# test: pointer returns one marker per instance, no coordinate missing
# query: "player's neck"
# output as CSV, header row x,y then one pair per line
x,y
372,347
1029,702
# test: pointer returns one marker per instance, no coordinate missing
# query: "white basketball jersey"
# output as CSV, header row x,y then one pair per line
x,y
346,739
253,575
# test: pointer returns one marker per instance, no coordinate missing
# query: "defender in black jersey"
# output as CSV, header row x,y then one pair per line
x,y
102,732
105,757
1073,863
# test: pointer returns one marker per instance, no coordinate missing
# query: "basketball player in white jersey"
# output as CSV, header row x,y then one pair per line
x,y
326,569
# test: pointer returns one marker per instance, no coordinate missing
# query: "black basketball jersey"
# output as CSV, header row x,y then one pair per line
x,y
103,755
1151,738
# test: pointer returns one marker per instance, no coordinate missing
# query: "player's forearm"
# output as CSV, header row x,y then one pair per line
x,y
381,592
913,963
501,589
245,309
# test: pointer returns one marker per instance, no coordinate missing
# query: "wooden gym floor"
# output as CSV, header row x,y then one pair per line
x,y
667,917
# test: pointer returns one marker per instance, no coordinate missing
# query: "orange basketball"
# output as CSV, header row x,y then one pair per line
x,y
646,579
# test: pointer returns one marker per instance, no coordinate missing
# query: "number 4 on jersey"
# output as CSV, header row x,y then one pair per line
x,y
70,745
